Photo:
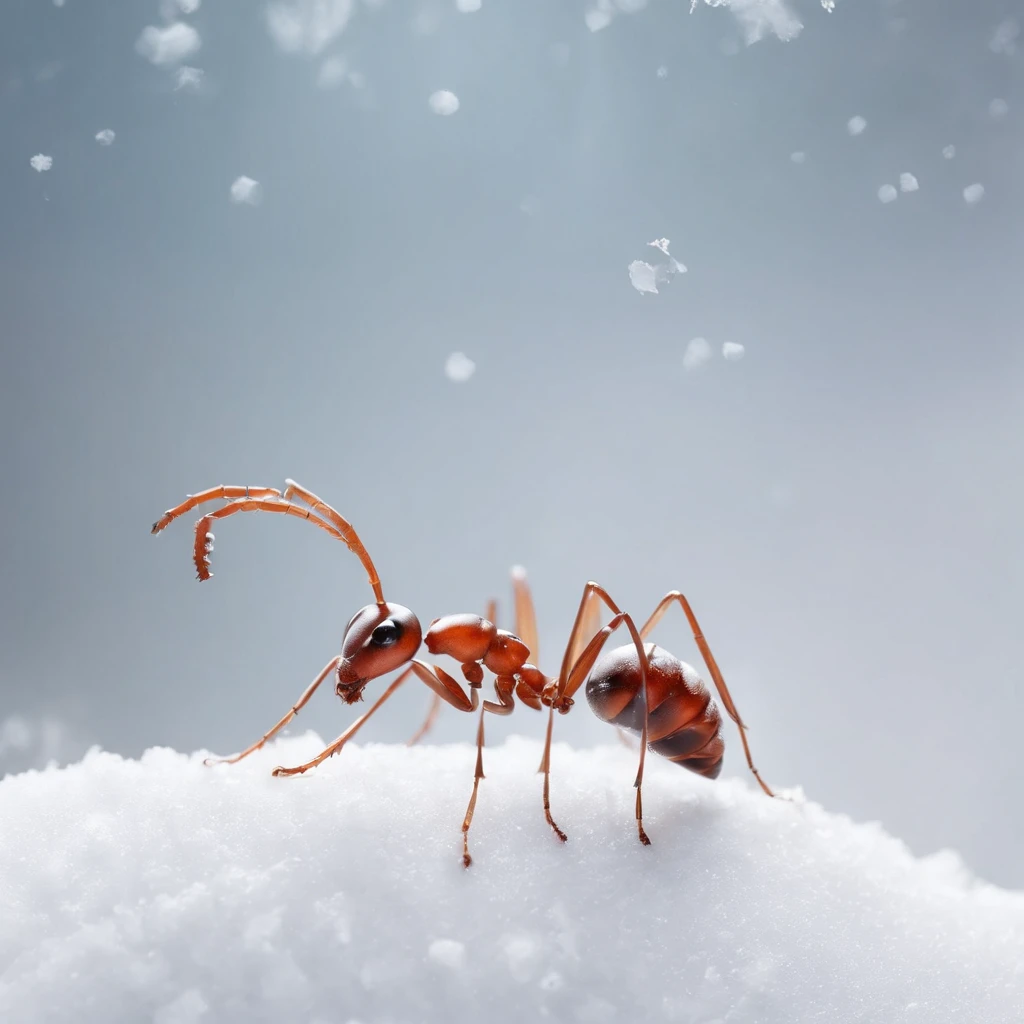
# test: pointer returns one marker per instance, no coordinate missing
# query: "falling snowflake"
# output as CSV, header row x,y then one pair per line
x,y
41,163
459,367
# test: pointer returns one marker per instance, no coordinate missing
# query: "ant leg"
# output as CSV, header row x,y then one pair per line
x,y
584,628
477,776
581,669
526,616
300,703
435,703
428,722
436,678
709,660
348,733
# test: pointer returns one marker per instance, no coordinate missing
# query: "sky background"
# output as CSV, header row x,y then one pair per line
x,y
842,505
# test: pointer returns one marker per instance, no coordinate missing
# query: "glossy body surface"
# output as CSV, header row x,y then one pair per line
x,y
683,722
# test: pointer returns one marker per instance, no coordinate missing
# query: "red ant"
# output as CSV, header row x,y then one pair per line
x,y
639,688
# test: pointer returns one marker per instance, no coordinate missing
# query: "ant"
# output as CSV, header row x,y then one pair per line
x,y
380,637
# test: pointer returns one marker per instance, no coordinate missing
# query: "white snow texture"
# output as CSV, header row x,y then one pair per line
x,y
159,890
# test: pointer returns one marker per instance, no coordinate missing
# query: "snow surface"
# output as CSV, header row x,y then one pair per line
x,y
162,890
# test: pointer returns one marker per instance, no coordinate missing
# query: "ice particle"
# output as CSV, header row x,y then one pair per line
x,y
448,953
998,108
856,125
887,193
949,152
662,72
597,19
908,183
973,193
444,102
246,190
798,157
105,137
168,45
41,162
733,351
188,78
468,6
459,367
698,352
643,277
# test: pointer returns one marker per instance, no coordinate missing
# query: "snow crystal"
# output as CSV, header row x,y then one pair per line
x,y
468,6
188,78
308,26
733,351
334,71
448,953
973,193
444,102
856,125
170,44
662,72
643,277
998,108
459,367
887,193
105,137
949,152
246,190
41,162
908,183
798,157
662,244
698,352
1004,39
159,890
597,18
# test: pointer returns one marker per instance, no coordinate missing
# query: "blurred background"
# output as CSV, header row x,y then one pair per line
x,y
242,242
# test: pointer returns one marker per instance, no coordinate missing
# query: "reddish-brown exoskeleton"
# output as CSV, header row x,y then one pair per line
x,y
638,687
380,637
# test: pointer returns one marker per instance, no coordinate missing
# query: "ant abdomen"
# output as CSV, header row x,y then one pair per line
x,y
683,724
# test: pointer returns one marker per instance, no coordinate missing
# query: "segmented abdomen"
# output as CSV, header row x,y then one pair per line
x,y
683,724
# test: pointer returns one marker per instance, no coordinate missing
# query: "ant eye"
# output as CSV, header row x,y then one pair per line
x,y
385,634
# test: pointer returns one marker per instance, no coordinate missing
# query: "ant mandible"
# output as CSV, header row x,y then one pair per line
x,y
380,637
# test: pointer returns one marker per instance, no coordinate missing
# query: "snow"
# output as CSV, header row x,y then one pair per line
x,y
973,193
887,193
459,367
308,26
908,183
189,78
170,44
444,102
798,156
698,352
106,137
467,6
246,190
856,125
41,162
733,351
643,277
161,890
949,152
998,108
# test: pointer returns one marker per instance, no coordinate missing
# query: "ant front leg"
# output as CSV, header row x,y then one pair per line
x,y
296,707
436,678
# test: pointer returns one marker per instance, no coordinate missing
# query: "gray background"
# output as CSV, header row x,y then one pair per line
x,y
842,505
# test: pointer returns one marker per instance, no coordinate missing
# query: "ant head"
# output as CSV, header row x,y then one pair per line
x,y
378,638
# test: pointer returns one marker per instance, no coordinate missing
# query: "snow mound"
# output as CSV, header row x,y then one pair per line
x,y
162,890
